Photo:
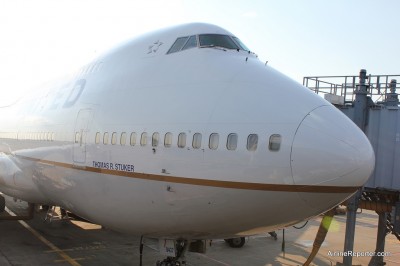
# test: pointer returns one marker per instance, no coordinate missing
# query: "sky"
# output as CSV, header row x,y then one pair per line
x,y
43,39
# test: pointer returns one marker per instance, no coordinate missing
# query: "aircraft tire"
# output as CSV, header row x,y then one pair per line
x,y
2,203
236,242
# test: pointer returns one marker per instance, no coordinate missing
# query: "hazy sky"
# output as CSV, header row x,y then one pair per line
x,y
44,39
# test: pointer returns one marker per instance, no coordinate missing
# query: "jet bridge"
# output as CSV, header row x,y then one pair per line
x,y
372,102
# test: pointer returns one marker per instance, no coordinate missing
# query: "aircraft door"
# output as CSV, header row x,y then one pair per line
x,y
82,128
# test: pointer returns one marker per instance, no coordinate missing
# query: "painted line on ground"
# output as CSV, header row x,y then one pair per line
x,y
61,253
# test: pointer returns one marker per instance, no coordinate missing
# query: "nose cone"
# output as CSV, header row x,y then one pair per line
x,y
330,150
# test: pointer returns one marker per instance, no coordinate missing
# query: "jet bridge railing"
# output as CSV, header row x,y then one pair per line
x,y
379,87
372,103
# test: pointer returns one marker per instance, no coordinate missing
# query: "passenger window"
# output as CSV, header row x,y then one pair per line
x,y
114,138
275,142
196,144
97,138
252,141
232,141
105,138
155,139
182,140
122,141
143,139
168,140
133,139
214,141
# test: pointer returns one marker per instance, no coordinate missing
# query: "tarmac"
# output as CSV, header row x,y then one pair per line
x,y
71,242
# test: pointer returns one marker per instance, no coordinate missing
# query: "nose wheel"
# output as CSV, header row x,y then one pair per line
x,y
237,242
170,262
2,203
182,246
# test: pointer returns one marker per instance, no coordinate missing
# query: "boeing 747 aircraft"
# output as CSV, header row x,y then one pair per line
x,y
182,134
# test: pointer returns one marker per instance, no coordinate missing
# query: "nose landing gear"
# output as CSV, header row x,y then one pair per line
x,y
237,242
2,204
181,249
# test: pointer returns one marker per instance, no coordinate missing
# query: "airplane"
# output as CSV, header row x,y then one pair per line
x,y
182,135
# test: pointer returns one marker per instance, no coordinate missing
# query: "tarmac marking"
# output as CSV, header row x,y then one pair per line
x,y
45,241
215,260
63,260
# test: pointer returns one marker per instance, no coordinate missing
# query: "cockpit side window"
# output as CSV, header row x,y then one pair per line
x,y
217,40
239,42
191,43
178,45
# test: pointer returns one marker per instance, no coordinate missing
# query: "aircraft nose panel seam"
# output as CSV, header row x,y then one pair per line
x,y
294,137
328,149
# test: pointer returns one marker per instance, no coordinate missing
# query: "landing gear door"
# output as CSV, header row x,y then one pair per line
x,y
82,128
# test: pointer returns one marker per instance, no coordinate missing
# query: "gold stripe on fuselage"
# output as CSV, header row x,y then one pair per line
x,y
204,182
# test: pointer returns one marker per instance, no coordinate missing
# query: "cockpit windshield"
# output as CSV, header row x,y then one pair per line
x,y
207,40
217,40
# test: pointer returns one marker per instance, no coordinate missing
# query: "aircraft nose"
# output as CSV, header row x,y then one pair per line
x,y
330,150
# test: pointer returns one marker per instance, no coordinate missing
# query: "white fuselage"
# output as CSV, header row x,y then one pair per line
x,y
64,145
